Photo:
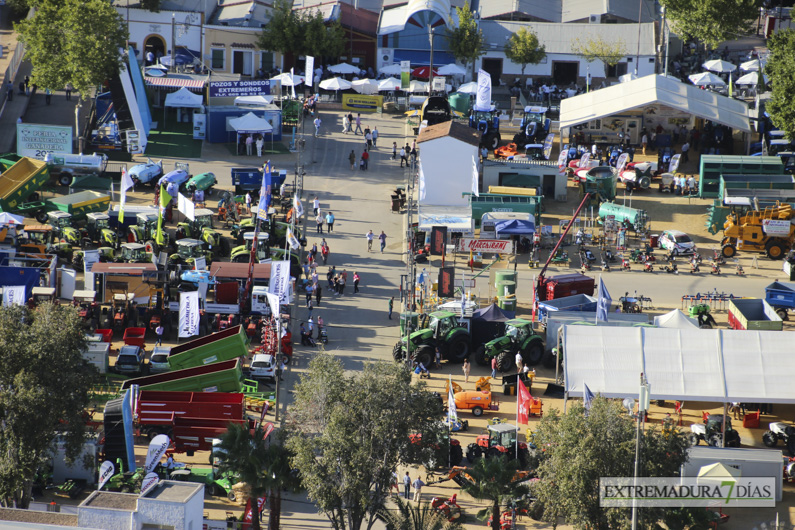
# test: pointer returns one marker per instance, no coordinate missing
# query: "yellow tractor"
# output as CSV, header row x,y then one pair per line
x,y
770,231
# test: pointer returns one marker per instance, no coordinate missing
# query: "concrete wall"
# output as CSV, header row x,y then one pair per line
x,y
597,68
492,170
180,516
88,517
447,167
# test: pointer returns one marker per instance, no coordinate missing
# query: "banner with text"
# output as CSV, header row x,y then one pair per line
x,y
280,280
13,295
362,103
310,71
37,141
405,75
233,89
105,472
188,314
495,246
157,448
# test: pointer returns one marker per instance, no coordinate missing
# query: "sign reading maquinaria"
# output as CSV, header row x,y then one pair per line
x,y
496,246
730,492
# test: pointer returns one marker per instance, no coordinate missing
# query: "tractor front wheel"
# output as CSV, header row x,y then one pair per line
x,y
424,355
480,356
714,440
728,250
226,246
693,438
213,490
505,361
474,453
770,439
397,352
533,354
456,455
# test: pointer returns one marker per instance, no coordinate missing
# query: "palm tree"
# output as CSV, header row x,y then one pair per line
x,y
246,456
279,477
410,517
495,479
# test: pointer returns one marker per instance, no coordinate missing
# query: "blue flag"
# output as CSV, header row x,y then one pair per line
x,y
587,396
603,302
265,192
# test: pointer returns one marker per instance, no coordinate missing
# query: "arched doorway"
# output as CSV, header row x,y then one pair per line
x,y
155,44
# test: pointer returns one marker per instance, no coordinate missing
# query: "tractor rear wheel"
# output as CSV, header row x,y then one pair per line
x,y
226,246
644,182
494,142
775,249
458,348
214,490
533,354
424,355
495,453
770,439
456,454
505,361
474,452
150,247
480,356
41,216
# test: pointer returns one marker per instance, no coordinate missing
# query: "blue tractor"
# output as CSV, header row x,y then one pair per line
x,y
534,127
488,123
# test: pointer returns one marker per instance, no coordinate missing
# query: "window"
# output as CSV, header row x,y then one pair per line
x,y
617,70
242,62
266,61
217,58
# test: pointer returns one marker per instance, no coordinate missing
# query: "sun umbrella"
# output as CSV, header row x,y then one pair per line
x,y
451,69
423,72
388,84
750,78
344,68
335,83
752,65
468,88
11,219
365,86
706,78
287,80
719,65
392,69
418,86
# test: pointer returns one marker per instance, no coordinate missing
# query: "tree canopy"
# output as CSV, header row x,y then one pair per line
x,y
45,391
711,21
73,41
780,67
581,446
350,432
523,48
301,33
610,52
423,516
495,480
466,41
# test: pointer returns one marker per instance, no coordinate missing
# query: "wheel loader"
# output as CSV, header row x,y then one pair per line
x,y
770,231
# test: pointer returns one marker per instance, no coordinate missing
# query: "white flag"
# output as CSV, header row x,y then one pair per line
x,y
674,164
273,302
310,70
126,184
105,472
188,314
475,177
280,280
299,208
294,244
602,302
483,98
422,184
292,79
149,482
13,295
452,413
157,448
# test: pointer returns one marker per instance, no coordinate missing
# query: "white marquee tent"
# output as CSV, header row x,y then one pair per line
x,y
675,319
250,123
715,365
182,99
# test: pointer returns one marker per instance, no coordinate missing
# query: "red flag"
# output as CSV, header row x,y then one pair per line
x,y
247,516
523,403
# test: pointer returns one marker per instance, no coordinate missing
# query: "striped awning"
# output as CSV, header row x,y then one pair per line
x,y
175,82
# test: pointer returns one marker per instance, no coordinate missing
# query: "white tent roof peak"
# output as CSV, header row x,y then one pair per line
x,y
649,90
184,98
251,123
675,319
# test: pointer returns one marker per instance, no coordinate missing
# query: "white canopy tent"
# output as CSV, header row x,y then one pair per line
x,y
182,99
675,319
335,83
650,90
451,69
706,79
751,78
418,86
250,124
753,65
714,365
389,84
719,65
470,88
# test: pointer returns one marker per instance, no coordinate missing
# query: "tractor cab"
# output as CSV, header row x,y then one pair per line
x,y
59,221
99,231
534,126
715,423
189,249
147,222
436,109
442,322
38,239
502,435
133,253
242,252
84,300
203,219
488,125
534,152
518,330
43,294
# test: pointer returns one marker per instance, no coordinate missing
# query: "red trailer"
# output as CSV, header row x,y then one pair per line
x,y
197,434
566,285
156,409
106,334
135,337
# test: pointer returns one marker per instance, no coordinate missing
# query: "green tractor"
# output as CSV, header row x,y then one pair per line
x,y
202,228
216,483
519,337
442,330
239,230
99,232
62,227
132,253
242,253
188,250
145,231
125,482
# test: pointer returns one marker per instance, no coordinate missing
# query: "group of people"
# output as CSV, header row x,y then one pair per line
x,y
406,152
338,281
250,141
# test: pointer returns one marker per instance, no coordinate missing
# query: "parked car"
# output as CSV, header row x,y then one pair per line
x,y
263,367
677,242
130,360
147,173
158,362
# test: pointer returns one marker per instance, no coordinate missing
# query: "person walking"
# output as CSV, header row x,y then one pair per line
x,y
356,280
519,362
47,96
644,141
685,150
68,89
343,281
418,484
159,334
318,297
403,157
406,485
358,124
319,221
352,159
248,202
345,124
494,367
394,150
368,140
316,205
317,123
391,305
370,236
438,358
330,222
382,239
249,144
375,136
10,90
366,159
260,143
466,369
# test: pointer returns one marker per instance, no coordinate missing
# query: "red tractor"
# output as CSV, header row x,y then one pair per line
x,y
449,507
501,440
439,459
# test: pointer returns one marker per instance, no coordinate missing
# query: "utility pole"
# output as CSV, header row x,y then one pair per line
x,y
173,41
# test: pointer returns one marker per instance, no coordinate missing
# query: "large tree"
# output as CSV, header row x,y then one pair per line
x,y
45,386
405,516
610,52
581,446
711,21
73,41
283,32
780,67
321,40
523,48
495,480
350,432
466,41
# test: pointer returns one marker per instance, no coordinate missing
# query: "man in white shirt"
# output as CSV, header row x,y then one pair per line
x,y
316,205
519,362
317,126
369,235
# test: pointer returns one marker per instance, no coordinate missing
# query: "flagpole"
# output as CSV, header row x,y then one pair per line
x,y
599,294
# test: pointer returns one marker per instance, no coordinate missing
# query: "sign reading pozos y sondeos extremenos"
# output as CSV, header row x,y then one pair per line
x,y
37,141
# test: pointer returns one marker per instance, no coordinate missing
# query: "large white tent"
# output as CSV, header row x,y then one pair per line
x,y
714,365
650,90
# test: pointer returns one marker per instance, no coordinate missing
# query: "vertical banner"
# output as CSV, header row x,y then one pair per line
x,y
475,176
674,164
280,280
188,314
106,470
157,448
438,240
13,295
310,70
126,184
621,163
522,403
150,481
405,75
564,156
483,98
273,303
548,145
446,282
265,192
292,81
